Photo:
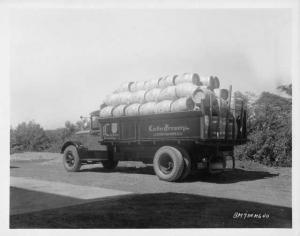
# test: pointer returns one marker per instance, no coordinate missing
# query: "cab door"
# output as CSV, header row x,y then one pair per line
x,y
95,137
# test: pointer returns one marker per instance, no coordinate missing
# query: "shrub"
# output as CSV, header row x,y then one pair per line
x,y
270,135
32,137
28,137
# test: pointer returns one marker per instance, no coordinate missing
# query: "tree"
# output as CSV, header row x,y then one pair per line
x,y
83,124
28,137
270,136
286,88
70,129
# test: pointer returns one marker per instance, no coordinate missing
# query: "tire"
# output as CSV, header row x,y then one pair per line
x,y
71,159
109,164
187,164
168,163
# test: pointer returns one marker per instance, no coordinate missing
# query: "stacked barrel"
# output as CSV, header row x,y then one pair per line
x,y
174,93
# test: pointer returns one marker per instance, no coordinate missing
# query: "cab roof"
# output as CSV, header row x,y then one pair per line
x,y
95,113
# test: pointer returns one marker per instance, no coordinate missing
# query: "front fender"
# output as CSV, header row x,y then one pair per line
x,y
79,146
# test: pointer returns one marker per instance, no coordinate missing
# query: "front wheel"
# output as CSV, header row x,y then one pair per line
x,y
168,163
71,159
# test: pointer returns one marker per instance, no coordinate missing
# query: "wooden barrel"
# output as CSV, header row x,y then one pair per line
x,y
199,107
119,111
123,87
232,103
137,86
205,102
103,105
187,89
206,125
203,93
235,127
222,93
222,127
231,129
132,109
168,93
199,96
232,106
215,108
208,81
147,108
223,106
218,128
236,104
163,106
167,81
202,99
112,99
216,82
138,97
106,111
183,104
151,84
124,97
214,127
152,95
202,127
188,78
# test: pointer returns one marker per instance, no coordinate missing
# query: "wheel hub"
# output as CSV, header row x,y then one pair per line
x,y
70,159
166,164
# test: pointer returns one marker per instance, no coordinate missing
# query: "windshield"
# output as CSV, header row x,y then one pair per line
x,y
95,125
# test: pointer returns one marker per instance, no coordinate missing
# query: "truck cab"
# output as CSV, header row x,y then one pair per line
x,y
85,146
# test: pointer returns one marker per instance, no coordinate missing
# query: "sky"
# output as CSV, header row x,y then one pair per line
x,y
63,62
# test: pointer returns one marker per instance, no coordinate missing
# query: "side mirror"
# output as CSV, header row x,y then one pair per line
x,y
85,124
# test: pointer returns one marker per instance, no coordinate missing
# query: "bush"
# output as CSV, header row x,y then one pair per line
x,y
58,137
270,134
32,137
28,137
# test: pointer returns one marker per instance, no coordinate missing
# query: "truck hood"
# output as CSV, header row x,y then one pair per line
x,y
82,132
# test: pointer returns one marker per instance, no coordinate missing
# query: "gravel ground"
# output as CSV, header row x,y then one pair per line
x,y
251,188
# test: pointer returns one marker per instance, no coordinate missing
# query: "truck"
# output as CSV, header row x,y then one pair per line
x,y
175,143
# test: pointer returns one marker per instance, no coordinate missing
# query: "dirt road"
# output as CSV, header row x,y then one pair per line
x,y
43,194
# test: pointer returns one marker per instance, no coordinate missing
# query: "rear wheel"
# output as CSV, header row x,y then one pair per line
x,y
168,163
71,159
187,164
109,164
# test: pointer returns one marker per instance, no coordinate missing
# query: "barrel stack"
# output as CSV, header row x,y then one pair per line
x,y
172,93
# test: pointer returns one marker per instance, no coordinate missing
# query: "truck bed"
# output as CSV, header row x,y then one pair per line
x,y
180,126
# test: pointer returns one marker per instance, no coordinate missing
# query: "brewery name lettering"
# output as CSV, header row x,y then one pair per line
x,y
167,128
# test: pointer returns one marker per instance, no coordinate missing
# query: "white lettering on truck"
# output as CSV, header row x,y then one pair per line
x,y
167,128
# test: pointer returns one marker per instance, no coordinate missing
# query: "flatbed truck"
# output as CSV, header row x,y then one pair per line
x,y
176,143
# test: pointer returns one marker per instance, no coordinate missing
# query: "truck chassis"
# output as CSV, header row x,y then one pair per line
x,y
175,143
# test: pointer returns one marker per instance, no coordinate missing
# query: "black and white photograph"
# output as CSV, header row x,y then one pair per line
x,y
173,116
